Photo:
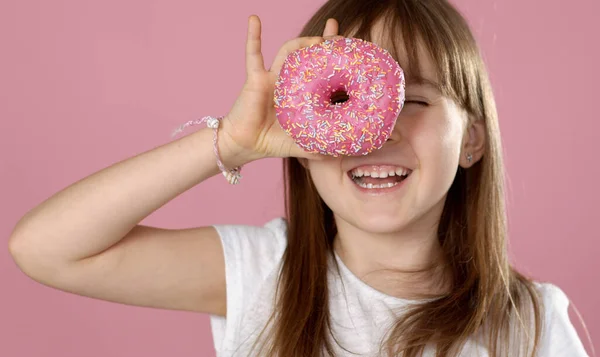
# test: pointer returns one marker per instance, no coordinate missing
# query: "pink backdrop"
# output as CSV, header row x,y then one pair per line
x,y
87,83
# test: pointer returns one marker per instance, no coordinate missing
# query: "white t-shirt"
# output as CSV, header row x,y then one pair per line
x,y
360,315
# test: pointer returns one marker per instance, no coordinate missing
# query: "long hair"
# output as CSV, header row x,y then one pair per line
x,y
487,298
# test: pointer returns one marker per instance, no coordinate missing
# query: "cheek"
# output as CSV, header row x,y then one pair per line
x,y
436,137
327,175
436,140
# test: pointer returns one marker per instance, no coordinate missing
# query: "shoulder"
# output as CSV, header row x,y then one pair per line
x,y
252,250
274,227
553,299
559,337
267,240
554,303
252,257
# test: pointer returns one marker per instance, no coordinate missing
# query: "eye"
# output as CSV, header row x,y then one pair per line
x,y
417,102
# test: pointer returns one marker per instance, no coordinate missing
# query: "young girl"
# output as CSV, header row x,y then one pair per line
x,y
416,267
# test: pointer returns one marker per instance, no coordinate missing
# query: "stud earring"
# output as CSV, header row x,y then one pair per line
x,y
469,157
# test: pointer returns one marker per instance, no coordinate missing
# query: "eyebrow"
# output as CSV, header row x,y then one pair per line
x,y
420,81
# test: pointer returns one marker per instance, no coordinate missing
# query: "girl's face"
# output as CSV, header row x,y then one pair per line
x,y
426,143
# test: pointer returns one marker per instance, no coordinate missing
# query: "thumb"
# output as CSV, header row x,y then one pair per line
x,y
303,154
289,148
299,152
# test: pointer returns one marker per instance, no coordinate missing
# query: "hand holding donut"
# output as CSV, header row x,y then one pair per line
x,y
250,129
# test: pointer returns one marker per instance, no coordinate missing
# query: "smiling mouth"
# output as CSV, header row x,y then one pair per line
x,y
378,177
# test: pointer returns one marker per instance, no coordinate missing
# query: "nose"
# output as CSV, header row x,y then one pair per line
x,y
395,135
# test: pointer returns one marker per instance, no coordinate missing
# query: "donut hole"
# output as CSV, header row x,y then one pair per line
x,y
339,96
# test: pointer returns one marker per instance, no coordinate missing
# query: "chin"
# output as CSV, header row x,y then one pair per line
x,y
379,222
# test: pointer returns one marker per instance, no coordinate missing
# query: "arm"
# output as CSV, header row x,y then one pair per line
x,y
86,239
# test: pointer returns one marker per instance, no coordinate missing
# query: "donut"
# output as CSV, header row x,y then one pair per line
x,y
339,97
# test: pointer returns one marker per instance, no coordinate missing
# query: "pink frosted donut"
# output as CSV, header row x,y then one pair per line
x,y
339,97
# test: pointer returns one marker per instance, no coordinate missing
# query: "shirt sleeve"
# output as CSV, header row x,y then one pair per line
x,y
559,337
251,253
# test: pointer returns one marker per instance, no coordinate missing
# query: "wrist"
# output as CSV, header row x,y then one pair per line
x,y
232,154
229,155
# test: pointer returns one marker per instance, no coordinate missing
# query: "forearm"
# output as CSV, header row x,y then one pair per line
x,y
96,212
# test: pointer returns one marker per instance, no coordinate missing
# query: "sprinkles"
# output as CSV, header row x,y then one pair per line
x,y
368,74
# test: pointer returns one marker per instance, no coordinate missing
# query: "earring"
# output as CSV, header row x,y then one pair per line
x,y
469,157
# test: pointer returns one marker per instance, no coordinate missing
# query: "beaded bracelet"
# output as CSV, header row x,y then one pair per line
x,y
232,176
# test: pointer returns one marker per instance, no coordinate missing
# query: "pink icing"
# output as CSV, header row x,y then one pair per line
x,y
372,79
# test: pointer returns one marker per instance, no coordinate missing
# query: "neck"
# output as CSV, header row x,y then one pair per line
x,y
407,264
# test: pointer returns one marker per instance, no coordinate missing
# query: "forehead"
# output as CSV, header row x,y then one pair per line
x,y
422,67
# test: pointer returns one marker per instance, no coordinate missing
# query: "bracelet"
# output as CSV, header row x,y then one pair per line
x,y
232,176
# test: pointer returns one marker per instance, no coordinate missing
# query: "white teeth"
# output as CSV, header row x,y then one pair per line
x,y
370,185
380,174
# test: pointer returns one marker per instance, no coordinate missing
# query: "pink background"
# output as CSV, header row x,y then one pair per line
x,y
88,83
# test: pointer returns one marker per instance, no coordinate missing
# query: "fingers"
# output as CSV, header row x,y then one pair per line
x,y
254,57
288,148
330,32
297,151
300,153
290,47
331,28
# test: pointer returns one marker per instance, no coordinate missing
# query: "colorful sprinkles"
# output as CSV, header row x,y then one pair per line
x,y
368,74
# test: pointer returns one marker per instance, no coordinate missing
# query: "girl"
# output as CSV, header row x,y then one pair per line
x,y
418,266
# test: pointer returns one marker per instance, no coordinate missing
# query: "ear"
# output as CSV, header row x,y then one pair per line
x,y
473,144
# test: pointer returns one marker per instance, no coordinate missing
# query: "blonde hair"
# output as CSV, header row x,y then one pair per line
x,y
488,299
